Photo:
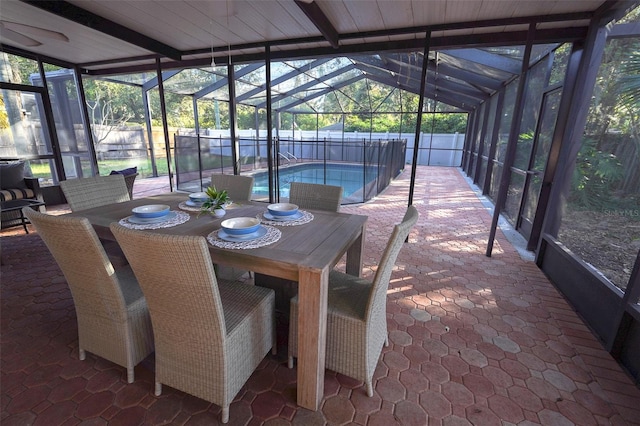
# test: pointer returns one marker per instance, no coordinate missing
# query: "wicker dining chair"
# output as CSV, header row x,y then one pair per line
x,y
95,191
129,180
315,196
210,334
238,187
306,196
356,314
113,320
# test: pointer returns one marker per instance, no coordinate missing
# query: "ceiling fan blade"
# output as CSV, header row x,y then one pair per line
x,y
17,37
34,31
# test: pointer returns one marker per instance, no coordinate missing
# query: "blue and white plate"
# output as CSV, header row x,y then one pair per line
x,y
145,220
261,232
297,215
192,204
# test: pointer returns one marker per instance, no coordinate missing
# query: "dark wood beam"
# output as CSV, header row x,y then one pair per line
x,y
320,20
106,26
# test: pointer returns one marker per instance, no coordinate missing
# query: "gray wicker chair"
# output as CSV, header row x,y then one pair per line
x,y
238,187
356,314
315,196
112,315
96,191
210,334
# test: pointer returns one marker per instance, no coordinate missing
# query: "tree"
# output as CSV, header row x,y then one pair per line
x,y
106,110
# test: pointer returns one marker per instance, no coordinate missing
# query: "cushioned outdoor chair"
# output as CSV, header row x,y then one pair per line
x,y
210,334
315,196
17,184
356,314
130,174
112,315
238,187
95,191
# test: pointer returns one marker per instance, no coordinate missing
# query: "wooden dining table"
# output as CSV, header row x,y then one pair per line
x,y
305,253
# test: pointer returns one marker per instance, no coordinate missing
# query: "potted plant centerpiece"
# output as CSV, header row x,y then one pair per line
x,y
216,202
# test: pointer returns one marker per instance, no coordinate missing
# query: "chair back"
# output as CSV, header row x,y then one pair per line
x,y
315,196
177,278
377,301
129,181
238,187
83,261
107,326
96,191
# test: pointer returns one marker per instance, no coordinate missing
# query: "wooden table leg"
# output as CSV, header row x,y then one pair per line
x,y
354,256
312,332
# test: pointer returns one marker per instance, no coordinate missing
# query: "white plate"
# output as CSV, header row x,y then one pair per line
x,y
297,215
192,204
145,220
261,232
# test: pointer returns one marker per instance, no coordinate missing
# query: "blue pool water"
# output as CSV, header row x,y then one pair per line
x,y
349,177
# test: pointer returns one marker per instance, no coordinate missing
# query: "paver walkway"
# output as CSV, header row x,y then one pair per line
x,y
474,340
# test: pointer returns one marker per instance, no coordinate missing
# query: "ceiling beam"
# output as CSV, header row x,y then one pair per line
x,y
283,78
447,42
411,73
224,81
106,26
487,59
311,83
431,94
320,93
432,91
465,75
320,20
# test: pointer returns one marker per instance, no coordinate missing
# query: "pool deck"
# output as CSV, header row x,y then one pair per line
x,y
473,340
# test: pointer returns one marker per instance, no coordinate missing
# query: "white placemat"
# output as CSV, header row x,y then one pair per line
x,y
184,206
178,219
306,218
272,235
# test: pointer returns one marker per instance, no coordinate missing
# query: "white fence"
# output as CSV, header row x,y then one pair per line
x,y
434,149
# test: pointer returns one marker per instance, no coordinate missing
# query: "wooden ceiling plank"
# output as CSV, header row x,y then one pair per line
x,y
96,22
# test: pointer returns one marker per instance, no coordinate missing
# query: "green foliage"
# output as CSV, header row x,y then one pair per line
x,y
216,200
595,177
4,117
606,173
444,123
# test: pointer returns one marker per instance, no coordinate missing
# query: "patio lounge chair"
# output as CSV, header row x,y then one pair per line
x,y
356,314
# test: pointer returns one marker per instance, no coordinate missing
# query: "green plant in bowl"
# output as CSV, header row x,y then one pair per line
x,y
216,201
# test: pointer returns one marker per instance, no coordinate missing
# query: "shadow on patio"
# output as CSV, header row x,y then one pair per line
x,y
473,340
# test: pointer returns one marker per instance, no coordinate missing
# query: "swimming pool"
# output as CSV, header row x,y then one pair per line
x,y
351,177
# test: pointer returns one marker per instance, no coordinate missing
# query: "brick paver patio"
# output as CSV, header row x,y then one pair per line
x,y
473,340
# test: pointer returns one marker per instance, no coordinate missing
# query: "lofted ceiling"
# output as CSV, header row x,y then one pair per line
x,y
384,39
